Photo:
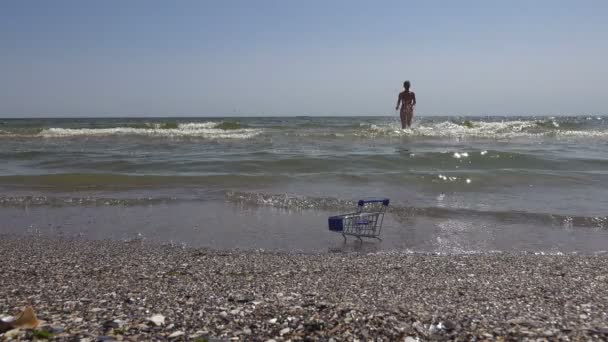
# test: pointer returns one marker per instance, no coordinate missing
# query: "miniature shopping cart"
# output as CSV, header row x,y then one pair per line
x,y
365,222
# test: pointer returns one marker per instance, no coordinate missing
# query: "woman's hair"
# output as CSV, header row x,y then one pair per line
x,y
406,85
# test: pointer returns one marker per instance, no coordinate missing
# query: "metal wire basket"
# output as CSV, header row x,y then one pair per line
x,y
365,222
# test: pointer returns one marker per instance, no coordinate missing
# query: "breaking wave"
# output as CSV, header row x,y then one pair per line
x,y
54,201
207,130
485,129
295,202
325,128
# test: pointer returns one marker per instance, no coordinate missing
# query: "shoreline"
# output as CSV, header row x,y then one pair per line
x,y
89,290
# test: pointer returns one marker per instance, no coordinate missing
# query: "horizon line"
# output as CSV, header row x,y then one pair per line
x,y
286,116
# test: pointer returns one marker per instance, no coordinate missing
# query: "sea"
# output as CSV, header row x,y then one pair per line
x,y
456,184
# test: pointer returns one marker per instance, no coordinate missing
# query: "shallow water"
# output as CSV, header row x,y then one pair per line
x,y
456,185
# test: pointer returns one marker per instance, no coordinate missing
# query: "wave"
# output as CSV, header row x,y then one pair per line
x,y
429,164
484,129
52,201
334,205
205,130
431,127
327,128
286,201
111,181
295,202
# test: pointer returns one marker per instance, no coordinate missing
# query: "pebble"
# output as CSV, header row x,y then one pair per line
x,y
11,334
177,334
210,294
114,324
157,319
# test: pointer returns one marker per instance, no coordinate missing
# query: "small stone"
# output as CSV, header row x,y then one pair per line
x,y
284,331
105,338
321,306
582,316
419,328
410,339
449,325
197,334
11,334
114,324
177,334
157,320
247,331
243,299
524,322
143,327
69,305
272,320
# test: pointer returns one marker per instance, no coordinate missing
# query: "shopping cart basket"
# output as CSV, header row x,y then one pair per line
x,y
365,222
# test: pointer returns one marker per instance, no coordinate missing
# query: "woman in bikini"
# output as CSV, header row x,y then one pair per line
x,y
407,99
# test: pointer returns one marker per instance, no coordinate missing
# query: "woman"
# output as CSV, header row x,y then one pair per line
x,y
407,99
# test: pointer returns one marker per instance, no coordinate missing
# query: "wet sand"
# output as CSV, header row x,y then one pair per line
x,y
109,290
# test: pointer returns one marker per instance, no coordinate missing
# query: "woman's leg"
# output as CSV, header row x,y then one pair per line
x,y
410,115
403,115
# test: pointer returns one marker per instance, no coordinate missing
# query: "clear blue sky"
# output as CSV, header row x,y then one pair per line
x,y
250,57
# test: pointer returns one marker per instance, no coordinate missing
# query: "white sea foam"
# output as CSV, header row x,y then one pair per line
x,y
198,125
458,155
206,130
497,130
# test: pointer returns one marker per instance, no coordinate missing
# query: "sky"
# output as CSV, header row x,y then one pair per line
x,y
316,57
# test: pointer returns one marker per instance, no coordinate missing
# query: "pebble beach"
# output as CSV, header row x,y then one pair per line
x,y
133,291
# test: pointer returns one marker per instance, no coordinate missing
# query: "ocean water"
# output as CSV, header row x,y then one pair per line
x,y
456,184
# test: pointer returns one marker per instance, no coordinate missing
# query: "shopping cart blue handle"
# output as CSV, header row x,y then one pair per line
x,y
383,201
